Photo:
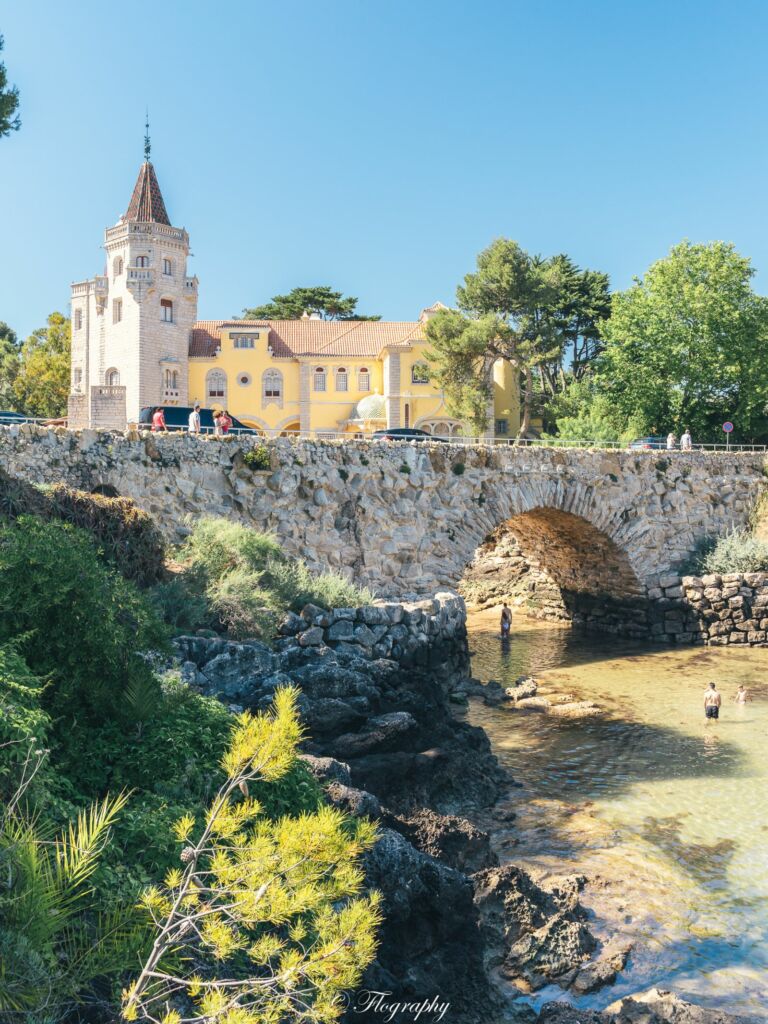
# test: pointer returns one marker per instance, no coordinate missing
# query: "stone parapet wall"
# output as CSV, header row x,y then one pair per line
x,y
403,631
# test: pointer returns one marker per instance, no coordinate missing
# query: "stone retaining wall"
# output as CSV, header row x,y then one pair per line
x,y
718,610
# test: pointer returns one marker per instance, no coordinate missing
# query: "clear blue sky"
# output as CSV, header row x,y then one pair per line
x,y
378,146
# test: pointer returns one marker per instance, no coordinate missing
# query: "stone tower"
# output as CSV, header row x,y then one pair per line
x,y
131,327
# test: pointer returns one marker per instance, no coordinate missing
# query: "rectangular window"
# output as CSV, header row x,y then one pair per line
x,y
364,380
166,310
117,311
502,428
167,268
78,319
419,373
78,377
341,381
245,340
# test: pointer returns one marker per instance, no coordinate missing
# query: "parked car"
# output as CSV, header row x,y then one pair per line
x,y
12,417
177,418
405,434
647,443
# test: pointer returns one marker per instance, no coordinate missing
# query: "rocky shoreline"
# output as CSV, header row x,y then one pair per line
x,y
460,929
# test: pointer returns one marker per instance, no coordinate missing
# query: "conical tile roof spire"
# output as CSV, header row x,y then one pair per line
x,y
147,200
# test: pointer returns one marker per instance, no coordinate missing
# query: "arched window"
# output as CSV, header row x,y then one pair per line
x,y
171,380
216,386
142,261
167,267
117,266
166,310
407,415
319,378
364,379
112,378
342,380
271,387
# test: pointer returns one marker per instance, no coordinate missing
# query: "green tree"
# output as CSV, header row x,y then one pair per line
x,y
9,366
321,301
686,345
9,101
275,906
42,384
527,310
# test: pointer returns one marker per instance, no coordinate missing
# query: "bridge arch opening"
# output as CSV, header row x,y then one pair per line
x,y
106,490
557,565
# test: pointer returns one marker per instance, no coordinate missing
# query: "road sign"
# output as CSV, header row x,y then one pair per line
x,y
727,426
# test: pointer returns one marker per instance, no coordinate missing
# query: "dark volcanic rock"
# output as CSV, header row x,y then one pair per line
x,y
454,841
356,802
327,769
533,934
430,940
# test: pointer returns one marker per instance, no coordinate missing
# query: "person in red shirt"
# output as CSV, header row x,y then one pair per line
x,y
225,422
158,420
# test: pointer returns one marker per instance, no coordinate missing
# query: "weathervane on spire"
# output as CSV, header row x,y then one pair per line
x,y
147,144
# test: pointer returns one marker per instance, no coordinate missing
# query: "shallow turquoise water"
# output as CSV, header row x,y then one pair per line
x,y
668,813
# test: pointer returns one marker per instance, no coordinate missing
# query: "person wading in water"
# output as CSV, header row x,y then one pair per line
x,y
712,702
506,620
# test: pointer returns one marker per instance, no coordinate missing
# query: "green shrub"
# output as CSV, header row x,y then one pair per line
x,y
294,585
248,581
180,602
126,536
736,551
405,468
79,622
458,468
258,458
344,474
216,546
242,605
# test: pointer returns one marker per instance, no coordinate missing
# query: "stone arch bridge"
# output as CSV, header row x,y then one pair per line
x,y
408,518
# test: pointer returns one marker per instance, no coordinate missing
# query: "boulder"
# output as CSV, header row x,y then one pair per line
x,y
525,686
448,838
534,935
327,769
356,802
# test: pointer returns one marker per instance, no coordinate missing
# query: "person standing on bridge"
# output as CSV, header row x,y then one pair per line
x,y
671,441
712,701
194,419
158,420
686,441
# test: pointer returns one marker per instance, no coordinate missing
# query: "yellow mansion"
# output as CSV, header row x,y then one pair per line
x,y
342,376
137,343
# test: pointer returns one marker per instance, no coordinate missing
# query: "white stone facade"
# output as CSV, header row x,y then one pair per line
x,y
131,327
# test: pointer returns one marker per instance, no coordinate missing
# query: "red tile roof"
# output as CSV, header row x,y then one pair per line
x,y
307,337
147,200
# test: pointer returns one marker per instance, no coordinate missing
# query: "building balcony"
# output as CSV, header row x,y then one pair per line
x,y
138,276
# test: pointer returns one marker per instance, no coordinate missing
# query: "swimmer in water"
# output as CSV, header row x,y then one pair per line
x,y
742,696
712,702
506,620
